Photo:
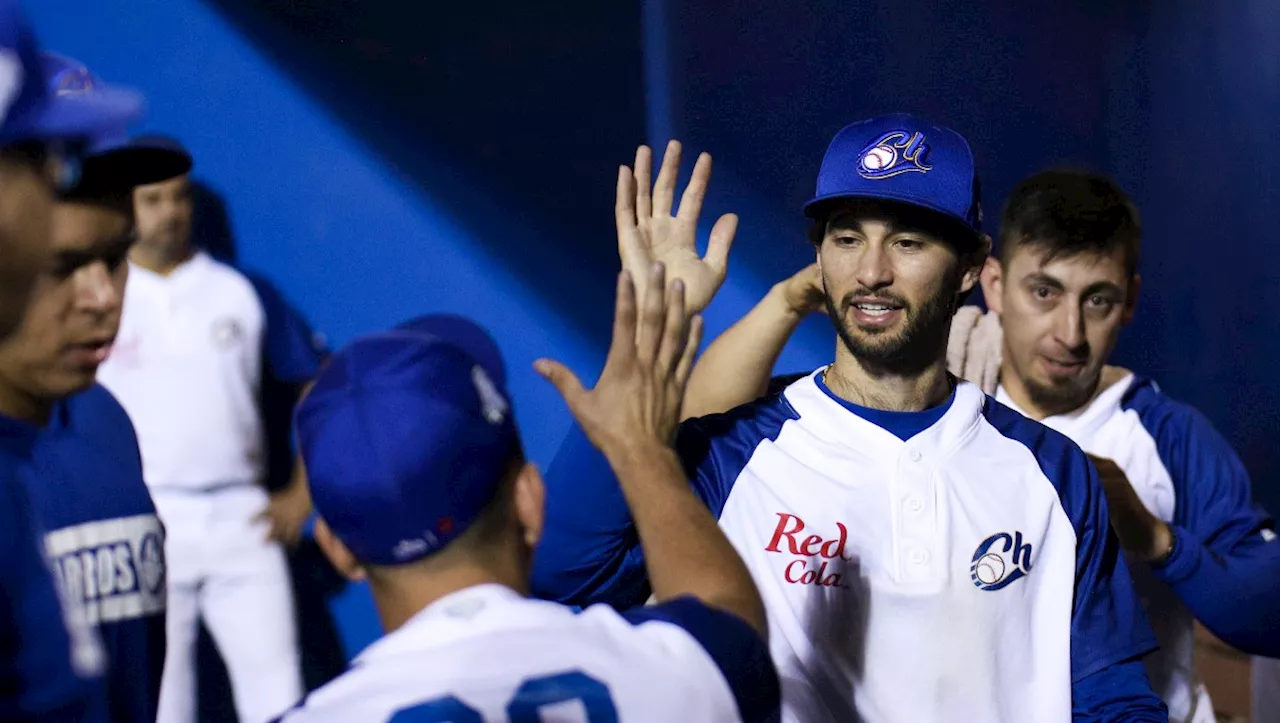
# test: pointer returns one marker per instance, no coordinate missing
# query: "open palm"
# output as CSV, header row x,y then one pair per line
x,y
648,232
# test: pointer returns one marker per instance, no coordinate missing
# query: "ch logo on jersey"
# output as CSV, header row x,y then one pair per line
x,y
999,561
893,154
112,569
226,332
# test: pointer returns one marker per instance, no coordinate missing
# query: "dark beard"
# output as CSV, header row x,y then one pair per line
x,y
923,337
1059,399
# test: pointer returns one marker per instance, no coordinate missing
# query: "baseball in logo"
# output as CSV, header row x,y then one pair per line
x,y
893,154
999,561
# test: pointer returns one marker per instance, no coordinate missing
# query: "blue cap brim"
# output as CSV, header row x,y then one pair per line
x,y
76,116
810,209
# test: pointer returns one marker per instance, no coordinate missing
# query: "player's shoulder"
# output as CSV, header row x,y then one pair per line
x,y
752,422
1164,418
1058,457
96,416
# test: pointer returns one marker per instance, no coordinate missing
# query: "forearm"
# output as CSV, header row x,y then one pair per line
x,y
685,551
736,368
1235,595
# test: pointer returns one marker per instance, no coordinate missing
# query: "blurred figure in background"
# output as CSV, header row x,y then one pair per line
x,y
50,660
85,481
196,341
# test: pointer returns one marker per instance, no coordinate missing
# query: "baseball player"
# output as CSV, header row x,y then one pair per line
x,y
50,661
923,553
1065,285
196,342
421,486
85,483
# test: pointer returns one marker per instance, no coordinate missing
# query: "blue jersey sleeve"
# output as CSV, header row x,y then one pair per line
x,y
590,552
1108,625
1119,694
292,349
1225,565
46,672
738,651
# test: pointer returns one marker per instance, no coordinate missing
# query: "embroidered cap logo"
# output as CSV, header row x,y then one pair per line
x,y
893,154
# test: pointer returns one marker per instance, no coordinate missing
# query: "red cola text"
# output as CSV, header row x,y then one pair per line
x,y
810,549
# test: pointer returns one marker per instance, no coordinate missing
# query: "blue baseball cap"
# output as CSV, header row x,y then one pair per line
x,y
464,334
901,158
113,161
32,112
406,438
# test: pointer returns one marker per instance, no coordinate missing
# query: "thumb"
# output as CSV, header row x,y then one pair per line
x,y
564,380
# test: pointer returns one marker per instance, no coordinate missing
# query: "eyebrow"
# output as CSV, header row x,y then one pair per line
x,y
1039,277
78,257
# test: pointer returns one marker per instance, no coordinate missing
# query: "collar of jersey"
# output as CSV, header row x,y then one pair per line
x,y
443,620
830,421
1082,422
180,272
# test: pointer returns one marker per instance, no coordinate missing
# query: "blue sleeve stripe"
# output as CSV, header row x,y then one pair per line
x,y
738,651
1122,694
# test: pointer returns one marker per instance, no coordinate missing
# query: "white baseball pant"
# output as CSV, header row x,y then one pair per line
x,y
222,568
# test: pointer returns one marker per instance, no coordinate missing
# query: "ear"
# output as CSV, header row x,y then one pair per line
x,y
1131,299
530,501
341,558
973,264
993,284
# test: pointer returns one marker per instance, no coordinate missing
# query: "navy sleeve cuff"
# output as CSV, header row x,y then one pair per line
x,y
738,651
1120,692
1183,561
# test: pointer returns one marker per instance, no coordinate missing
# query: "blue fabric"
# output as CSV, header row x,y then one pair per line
x,y
590,551
899,157
1222,566
1119,694
903,425
1108,625
38,681
86,467
293,351
738,651
406,439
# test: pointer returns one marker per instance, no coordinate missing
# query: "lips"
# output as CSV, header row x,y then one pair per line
x,y
91,353
1062,367
875,312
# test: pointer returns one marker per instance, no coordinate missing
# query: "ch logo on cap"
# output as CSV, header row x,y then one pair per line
x,y
893,154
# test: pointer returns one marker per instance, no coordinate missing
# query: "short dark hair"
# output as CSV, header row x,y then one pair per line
x,y
1066,212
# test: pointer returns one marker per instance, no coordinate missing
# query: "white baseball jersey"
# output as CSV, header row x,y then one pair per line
x,y
1161,449
187,366
963,571
485,654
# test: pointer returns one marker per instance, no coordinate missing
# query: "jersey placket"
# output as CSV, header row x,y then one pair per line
x,y
915,518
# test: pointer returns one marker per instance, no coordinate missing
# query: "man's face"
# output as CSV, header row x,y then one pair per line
x,y
75,306
163,212
1061,319
891,287
26,205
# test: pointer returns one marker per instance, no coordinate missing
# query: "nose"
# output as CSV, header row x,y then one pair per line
x,y
1068,328
95,291
873,269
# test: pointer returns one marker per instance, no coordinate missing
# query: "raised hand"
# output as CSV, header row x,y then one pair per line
x,y
648,232
636,402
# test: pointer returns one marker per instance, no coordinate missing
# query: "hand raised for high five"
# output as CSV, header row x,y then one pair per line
x,y
636,402
648,232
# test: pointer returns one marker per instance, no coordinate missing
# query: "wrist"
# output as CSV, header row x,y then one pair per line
x,y
1162,541
636,453
780,301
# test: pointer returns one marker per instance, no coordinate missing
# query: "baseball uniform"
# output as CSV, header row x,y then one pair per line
x,y
947,565
189,366
407,436
1186,474
105,541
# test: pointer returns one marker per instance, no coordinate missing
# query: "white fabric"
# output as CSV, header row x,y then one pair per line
x,y
222,569
1104,429
872,560
481,645
187,367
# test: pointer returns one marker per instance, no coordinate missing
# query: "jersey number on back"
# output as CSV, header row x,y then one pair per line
x,y
533,694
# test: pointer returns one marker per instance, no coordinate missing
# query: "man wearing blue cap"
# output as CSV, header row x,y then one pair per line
x,y
923,553
50,661
85,481
417,473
